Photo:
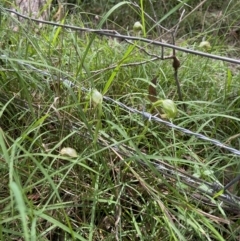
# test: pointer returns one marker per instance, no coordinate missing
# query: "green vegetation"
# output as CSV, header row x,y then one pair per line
x,y
103,192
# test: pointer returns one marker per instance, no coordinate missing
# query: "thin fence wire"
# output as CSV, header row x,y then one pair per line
x,y
114,33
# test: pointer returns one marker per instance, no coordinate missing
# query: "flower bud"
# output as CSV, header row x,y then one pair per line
x,y
169,108
96,97
68,151
205,45
137,26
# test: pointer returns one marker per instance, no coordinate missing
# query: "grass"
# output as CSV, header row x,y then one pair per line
x,y
105,193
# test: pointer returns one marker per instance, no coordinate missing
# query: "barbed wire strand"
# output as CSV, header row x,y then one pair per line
x,y
169,124
198,184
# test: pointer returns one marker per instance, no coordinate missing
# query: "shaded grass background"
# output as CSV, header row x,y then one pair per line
x,y
102,194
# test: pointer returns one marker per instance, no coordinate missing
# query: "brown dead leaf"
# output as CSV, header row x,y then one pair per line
x,y
176,63
58,16
152,92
